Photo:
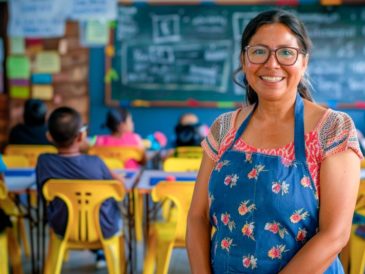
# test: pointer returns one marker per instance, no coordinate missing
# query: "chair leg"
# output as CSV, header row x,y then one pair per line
x,y
164,256
4,266
357,249
23,236
149,263
56,252
114,252
14,252
138,207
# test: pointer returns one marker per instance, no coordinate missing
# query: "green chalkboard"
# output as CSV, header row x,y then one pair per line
x,y
178,53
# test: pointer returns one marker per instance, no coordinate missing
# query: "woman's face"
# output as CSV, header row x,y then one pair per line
x,y
271,80
128,125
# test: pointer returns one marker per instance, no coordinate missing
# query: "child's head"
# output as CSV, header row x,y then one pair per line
x,y
34,112
64,126
188,131
188,119
119,121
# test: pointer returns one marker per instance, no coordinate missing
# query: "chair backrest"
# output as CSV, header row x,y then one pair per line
x,y
360,202
113,163
181,164
3,190
189,152
123,153
180,193
30,151
83,199
16,161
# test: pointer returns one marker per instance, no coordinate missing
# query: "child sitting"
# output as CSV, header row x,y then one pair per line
x,y
121,126
67,133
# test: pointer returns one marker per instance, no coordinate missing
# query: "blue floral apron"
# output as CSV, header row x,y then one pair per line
x,y
262,208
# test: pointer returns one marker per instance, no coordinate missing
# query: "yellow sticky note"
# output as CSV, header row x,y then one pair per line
x,y
19,92
48,62
17,45
18,67
44,92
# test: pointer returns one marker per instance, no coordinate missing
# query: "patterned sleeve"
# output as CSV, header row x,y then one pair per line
x,y
338,134
217,132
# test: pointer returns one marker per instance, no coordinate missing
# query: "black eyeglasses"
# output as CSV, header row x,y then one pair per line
x,y
285,56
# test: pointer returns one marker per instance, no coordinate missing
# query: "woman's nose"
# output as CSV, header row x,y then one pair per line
x,y
272,61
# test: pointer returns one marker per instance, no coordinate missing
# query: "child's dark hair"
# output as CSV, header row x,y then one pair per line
x,y
34,112
64,125
114,117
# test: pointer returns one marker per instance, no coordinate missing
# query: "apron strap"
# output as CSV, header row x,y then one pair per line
x,y
299,141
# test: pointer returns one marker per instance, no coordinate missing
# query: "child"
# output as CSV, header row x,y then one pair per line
x,y
68,134
121,126
4,219
189,132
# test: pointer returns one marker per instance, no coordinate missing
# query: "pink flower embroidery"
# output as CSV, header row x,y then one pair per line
x,y
226,243
221,164
249,261
248,157
298,215
244,208
225,218
286,162
231,180
276,251
254,173
276,228
278,187
247,230
305,181
302,233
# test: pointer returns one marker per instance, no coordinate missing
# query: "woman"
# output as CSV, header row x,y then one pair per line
x,y
279,177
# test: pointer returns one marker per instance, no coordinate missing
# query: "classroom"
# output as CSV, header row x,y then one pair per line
x,y
138,136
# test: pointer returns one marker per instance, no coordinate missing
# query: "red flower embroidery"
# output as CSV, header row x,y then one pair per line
x,y
298,215
249,261
226,243
215,220
225,218
252,174
276,187
231,180
305,181
276,251
276,228
243,208
248,157
247,230
302,233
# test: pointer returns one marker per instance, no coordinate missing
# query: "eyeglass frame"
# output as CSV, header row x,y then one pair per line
x,y
298,50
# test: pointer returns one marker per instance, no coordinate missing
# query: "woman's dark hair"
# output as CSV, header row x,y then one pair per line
x,y
298,29
114,117
64,124
34,112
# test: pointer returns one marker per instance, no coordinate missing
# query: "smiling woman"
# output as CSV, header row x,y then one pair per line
x,y
263,166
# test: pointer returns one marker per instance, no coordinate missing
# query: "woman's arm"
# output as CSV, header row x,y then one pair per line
x,y
198,227
339,182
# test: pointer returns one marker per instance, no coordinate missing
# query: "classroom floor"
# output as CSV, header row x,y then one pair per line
x,y
84,262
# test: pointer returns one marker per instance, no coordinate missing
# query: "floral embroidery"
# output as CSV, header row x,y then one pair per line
x,y
247,230
305,181
243,208
226,243
215,220
276,251
221,164
249,261
278,187
226,220
297,216
302,233
248,157
231,180
276,228
255,172
286,162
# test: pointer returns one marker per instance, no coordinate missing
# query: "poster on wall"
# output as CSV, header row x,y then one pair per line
x,y
93,9
38,18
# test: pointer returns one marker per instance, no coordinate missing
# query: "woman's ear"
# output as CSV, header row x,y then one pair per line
x,y
49,137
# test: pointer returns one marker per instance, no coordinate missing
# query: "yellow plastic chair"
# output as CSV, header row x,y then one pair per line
x,y
16,161
175,164
113,163
166,235
83,199
123,153
189,152
8,242
30,151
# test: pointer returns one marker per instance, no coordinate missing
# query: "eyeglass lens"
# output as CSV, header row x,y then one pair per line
x,y
260,54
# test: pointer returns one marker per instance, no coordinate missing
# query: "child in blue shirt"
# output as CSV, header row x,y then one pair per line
x,y
66,131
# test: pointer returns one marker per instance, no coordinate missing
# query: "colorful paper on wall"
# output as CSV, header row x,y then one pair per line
x,y
19,92
44,92
48,62
41,78
18,67
19,82
93,9
94,33
42,19
17,45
